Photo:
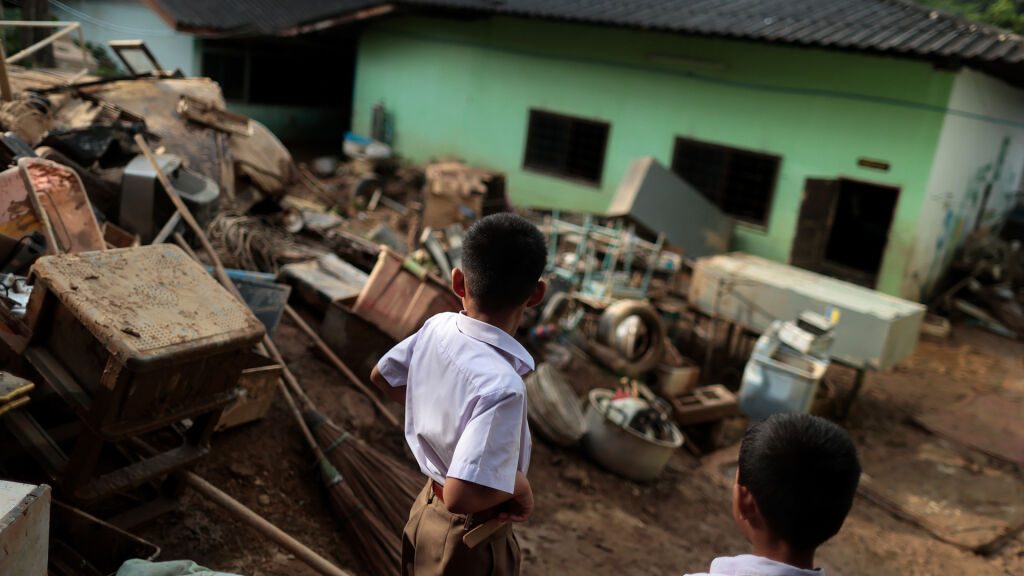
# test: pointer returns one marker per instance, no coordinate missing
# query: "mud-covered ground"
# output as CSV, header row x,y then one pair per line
x,y
588,521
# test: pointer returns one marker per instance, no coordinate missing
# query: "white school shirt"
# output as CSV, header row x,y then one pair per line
x,y
751,565
465,401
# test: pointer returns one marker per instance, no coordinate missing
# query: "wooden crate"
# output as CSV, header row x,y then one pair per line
x,y
399,296
24,528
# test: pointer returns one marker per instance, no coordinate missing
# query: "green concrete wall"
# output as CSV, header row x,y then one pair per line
x,y
466,87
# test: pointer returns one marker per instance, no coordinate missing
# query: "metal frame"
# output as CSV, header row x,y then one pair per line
x,y
620,243
135,45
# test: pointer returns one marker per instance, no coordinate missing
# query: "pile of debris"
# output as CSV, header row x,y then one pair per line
x,y
124,350
987,282
122,354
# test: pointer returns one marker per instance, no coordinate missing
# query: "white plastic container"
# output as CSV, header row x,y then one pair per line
x,y
778,378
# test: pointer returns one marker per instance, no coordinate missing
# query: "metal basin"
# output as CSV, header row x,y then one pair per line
x,y
621,449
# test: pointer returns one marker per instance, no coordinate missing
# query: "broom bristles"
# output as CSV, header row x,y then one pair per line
x,y
376,547
386,485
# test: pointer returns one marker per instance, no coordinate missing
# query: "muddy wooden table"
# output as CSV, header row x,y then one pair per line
x,y
133,340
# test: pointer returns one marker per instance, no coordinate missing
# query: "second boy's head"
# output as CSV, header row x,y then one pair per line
x,y
796,481
503,257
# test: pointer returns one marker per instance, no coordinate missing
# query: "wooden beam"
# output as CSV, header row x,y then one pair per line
x,y
41,44
5,82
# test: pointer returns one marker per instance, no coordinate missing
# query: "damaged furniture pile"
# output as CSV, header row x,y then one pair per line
x,y
151,241
986,284
121,354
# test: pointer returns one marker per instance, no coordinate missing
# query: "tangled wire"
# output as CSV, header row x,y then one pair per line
x,y
250,243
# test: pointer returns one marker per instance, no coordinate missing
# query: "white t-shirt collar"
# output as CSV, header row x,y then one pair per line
x,y
489,334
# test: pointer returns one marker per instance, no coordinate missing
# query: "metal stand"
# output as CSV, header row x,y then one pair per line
x,y
858,383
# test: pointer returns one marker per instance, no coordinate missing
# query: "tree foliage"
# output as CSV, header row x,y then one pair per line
x,y
1007,14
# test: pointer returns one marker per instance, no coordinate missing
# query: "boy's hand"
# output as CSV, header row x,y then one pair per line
x,y
520,506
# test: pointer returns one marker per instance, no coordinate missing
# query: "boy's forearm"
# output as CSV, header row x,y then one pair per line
x,y
462,497
394,393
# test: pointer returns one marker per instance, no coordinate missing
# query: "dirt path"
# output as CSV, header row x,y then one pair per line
x,y
589,522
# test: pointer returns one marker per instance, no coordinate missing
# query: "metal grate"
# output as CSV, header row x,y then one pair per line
x,y
740,182
566,146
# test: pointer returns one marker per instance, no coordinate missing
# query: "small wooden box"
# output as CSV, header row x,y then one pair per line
x,y
258,384
705,404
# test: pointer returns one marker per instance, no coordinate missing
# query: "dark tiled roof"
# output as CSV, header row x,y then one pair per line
x,y
873,25
252,16
883,26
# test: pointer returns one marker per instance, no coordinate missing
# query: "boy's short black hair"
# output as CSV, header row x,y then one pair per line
x,y
802,471
503,256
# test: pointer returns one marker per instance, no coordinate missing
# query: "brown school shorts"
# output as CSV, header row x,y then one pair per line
x,y
432,543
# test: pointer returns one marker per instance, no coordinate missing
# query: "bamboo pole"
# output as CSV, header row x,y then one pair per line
x,y
5,81
326,350
267,529
243,513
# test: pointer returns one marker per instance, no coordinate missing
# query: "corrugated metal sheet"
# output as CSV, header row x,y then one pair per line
x,y
895,27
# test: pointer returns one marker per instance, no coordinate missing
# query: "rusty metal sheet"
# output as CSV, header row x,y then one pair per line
x,y
18,215
991,423
40,195
61,194
147,303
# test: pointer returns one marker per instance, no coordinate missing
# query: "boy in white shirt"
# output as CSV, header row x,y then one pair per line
x,y
795,484
460,378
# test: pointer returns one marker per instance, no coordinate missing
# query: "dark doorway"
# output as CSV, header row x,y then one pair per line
x,y
301,86
844,228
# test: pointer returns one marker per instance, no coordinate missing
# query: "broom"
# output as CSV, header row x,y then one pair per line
x,y
377,547
384,482
387,485
377,544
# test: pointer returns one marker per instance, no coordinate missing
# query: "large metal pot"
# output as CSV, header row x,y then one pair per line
x,y
618,447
